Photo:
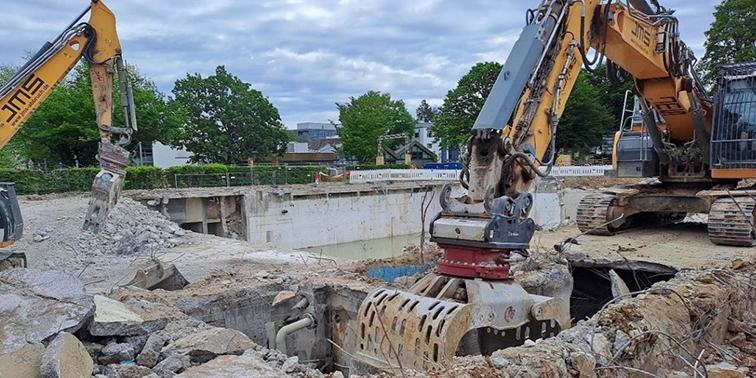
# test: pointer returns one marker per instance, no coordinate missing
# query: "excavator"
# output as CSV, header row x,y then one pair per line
x,y
701,153
97,42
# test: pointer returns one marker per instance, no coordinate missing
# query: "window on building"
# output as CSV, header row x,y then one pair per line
x,y
430,134
417,134
430,145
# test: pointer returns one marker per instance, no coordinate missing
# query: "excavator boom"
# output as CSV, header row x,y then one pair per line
x,y
97,42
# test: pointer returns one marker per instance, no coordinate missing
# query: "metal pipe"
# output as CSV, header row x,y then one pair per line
x,y
301,305
307,322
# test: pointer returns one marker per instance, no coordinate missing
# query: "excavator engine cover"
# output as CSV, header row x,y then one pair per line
x,y
442,316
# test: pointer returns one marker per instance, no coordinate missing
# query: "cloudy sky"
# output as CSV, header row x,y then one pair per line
x,y
305,55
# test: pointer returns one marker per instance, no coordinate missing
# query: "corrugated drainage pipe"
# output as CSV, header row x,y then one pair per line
x,y
307,322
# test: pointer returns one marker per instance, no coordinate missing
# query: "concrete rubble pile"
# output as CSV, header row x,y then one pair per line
x,y
52,328
133,228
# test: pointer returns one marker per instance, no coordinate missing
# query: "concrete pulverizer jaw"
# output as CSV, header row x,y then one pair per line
x,y
441,317
107,185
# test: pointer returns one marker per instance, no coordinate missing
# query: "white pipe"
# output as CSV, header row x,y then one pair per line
x,y
307,321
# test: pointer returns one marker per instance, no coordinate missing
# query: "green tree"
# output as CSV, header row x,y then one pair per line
x,y
462,105
611,96
584,120
731,38
425,113
367,117
227,120
64,129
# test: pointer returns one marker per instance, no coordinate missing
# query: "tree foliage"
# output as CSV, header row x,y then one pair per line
x,y
227,120
64,129
367,117
585,119
462,105
731,38
425,112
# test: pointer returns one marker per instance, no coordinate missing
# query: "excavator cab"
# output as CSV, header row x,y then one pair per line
x,y
634,154
734,125
11,227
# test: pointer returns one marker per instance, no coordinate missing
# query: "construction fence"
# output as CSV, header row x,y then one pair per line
x,y
453,175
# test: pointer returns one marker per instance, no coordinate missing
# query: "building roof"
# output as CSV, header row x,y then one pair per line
x,y
316,145
423,125
415,142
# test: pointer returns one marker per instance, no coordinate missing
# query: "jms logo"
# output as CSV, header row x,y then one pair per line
x,y
642,34
23,96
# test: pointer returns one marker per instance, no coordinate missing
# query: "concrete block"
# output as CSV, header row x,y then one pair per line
x,y
283,296
151,351
66,357
115,353
113,318
246,365
168,367
23,363
206,345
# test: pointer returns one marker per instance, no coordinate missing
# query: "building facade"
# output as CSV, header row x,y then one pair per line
x,y
308,131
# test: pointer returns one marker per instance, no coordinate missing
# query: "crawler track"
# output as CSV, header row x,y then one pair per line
x,y
731,221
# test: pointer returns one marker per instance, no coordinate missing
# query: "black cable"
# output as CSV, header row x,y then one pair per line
x,y
529,17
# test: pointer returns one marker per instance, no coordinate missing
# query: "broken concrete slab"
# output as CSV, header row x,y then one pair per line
x,y
48,302
726,370
23,363
66,357
115,353
619,287
113,318
248,364
206,345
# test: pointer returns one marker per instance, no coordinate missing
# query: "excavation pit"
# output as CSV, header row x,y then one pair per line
x,y
596,284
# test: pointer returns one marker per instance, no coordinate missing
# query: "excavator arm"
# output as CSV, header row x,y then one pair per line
x,y
97,42
471,305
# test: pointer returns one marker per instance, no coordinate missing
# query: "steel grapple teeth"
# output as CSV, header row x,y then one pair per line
x,y
441,317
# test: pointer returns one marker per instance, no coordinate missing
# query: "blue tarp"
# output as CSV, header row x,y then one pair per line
x,y
390,273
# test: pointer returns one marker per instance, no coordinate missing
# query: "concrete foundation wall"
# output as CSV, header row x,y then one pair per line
x,y
286,221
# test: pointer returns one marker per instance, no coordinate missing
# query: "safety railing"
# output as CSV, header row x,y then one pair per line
x,y
453,175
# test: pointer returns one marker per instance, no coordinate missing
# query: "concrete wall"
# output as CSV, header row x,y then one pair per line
x,y
287,221
547,210
316,220
570,200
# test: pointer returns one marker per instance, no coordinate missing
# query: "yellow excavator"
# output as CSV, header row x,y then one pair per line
x,y
97,42
703,149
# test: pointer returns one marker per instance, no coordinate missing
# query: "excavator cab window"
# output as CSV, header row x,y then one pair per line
x,y
734,134
6,216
